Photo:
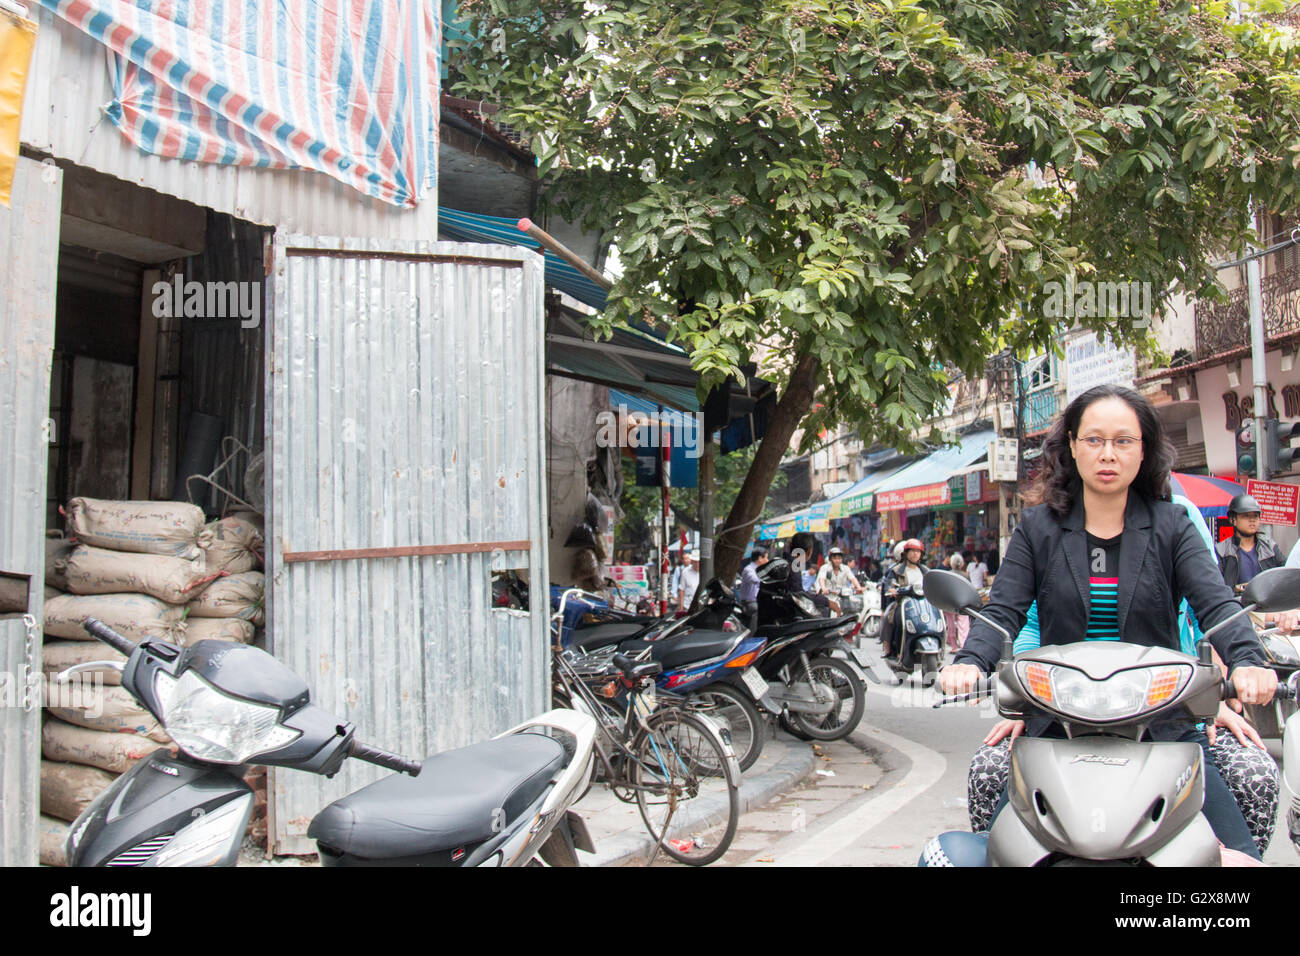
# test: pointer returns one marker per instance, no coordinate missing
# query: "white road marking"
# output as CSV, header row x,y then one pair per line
x,y
928,768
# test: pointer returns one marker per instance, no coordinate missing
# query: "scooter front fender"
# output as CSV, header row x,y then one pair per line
x,y
133,822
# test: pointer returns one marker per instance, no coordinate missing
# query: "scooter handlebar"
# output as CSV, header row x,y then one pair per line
x,y
382,758
1285,691
109,636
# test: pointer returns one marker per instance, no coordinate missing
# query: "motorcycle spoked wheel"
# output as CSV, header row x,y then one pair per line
x,y
839,723
736,712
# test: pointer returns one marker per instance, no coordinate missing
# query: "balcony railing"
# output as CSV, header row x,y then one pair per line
x,y
1224,326
1040,411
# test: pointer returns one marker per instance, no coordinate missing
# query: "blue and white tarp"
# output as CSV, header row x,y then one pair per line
x,y
344,87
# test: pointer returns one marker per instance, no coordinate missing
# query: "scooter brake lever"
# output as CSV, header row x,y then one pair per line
x,y
64,675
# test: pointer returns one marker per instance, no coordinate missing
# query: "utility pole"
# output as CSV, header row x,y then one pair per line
x,y
706,508
1257,355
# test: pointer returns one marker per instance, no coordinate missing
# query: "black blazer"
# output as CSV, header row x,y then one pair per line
x,y
1162,560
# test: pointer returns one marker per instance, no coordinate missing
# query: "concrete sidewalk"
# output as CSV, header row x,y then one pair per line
x,y
620,835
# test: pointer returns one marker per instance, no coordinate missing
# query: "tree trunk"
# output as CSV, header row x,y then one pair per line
x,y
789,412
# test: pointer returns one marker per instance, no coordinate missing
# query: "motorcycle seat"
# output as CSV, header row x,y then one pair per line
x,y
453,802
805,626
605,635
682,650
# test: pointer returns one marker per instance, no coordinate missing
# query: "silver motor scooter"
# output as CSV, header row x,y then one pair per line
x,y
1103,795
1291,765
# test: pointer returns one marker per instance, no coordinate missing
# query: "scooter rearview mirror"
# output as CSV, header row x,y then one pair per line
x,y
1277,589
949,591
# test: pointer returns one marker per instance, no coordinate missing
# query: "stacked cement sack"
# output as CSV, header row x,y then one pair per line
x,y
147,569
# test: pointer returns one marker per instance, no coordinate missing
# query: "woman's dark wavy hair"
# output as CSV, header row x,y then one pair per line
x,y
1059,484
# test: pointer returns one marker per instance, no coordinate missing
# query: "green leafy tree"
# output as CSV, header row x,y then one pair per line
x,y
857,195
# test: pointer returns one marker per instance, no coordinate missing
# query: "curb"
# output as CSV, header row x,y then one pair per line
x,y
795,764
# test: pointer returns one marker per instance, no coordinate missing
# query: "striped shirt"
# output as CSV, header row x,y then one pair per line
x,y
1103,587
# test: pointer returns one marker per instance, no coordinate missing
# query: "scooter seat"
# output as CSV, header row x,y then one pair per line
x,y
604,635
457,799
682,650
805,626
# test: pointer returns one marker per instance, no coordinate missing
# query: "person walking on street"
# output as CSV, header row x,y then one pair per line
x,y
957,626
689,581
978,571
747,594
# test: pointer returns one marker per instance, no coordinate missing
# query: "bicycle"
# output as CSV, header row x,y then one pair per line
x,y
677,765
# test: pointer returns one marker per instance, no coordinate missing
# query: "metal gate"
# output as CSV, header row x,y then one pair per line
x,y
406,445
29,243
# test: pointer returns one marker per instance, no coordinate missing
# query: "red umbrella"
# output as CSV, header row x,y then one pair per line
x,y
1210,495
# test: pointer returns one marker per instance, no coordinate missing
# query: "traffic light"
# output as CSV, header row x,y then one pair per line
x,y
1280,453
1247,453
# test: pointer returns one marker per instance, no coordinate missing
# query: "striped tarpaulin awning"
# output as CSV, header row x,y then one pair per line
x,y
348,89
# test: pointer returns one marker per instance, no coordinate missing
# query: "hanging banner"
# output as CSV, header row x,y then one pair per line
x,y
923,496
17,40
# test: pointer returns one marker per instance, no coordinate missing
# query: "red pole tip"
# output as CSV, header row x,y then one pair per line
x,y
524,225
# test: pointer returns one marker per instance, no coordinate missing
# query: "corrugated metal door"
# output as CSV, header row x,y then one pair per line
x,y
29,243
406,441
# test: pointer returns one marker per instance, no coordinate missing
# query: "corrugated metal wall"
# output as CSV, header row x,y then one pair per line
x,y
29,243
406,410
67,88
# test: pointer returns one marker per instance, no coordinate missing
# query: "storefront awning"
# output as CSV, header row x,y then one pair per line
x,y
925,483
855,499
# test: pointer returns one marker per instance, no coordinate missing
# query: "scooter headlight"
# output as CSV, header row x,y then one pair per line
x,y
215,727
1123,695
804,604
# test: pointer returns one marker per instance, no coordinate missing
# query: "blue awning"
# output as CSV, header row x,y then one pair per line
x,y
941,464
472,227
852,500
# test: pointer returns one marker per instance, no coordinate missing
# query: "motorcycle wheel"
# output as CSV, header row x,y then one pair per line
x,y
839,723
737,713
687,786
789,727
871,628
929,669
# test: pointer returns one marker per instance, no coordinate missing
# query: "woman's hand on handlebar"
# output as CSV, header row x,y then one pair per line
x,y
960,679
1005,728
1255,685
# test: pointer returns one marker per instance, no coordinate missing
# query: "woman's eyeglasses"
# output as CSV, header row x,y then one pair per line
x,y
1122,444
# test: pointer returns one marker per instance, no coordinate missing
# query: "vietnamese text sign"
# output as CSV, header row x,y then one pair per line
x,y
1278,502
920,497
1089,362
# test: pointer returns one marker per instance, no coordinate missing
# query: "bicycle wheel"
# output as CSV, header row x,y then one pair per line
x,y
687,785
734,711
850,702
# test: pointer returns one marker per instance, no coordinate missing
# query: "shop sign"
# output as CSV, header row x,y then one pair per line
x,y
629,576
1278,502
854,505
956,491
974,486
922,496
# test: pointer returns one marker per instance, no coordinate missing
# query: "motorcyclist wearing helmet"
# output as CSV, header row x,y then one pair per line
x,y
1247,552
906,573
835,576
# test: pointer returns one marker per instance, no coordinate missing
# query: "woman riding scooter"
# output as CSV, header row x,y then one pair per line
x,y
904,574
1107,556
